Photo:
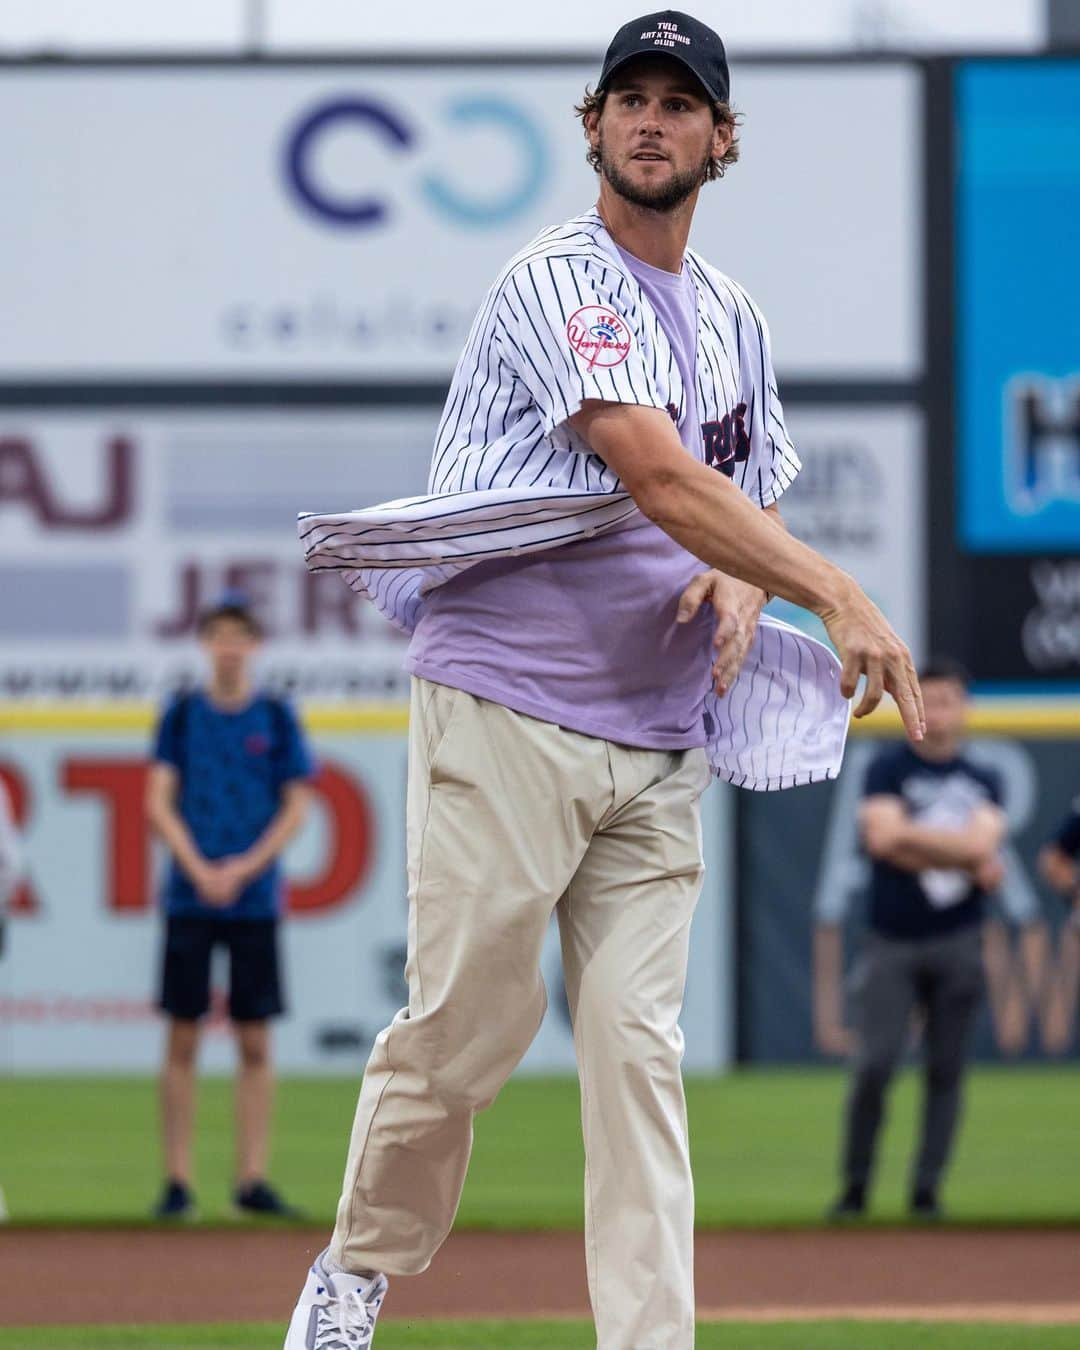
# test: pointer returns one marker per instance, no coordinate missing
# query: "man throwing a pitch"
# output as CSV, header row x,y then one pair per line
x,y
620,390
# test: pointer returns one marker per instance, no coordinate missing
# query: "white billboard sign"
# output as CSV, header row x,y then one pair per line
x,y
117,527
343,222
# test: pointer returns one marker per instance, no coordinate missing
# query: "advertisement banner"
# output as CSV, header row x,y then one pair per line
x,y
302,221
1018,295
819,880
118,527
1025,618
859,501
79,973
1009,530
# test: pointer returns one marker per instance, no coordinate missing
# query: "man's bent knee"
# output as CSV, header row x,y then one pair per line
x,y
463,1065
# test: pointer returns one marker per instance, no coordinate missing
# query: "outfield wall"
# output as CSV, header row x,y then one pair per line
x,y
77,978
78,975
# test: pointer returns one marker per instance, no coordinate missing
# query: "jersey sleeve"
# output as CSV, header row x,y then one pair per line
x,y
167,748
569,331
773,462
295,760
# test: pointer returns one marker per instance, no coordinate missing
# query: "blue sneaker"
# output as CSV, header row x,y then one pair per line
x,y
259,1200
177,1202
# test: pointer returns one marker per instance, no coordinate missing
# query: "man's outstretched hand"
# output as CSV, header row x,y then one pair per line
x,y
868,646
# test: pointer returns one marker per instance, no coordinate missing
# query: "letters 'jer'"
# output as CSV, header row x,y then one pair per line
x,y
583,581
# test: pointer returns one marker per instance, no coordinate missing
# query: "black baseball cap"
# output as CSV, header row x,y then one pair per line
x,y
671,33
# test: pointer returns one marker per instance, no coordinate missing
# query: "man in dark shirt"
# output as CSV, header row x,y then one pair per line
x,y
226,793
930,821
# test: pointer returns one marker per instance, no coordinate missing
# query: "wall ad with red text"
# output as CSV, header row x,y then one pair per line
x,y
79,973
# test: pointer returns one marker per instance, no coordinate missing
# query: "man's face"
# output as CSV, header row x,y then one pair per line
x,y
656,133
229,645
946,705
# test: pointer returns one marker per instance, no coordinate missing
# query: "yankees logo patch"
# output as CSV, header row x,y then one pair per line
x,y
598,336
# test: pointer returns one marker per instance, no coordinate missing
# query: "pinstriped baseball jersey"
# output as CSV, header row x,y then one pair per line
x,y
566,321
586,636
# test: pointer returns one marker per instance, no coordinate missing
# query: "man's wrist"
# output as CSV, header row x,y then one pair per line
x,y
754,601
834,592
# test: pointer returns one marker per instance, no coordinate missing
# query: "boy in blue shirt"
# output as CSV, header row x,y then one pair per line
x,y
226,793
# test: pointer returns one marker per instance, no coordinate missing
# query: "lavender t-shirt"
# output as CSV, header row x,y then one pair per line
x,y
585,635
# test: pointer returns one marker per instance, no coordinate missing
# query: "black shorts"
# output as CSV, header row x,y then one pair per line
x,y
254,967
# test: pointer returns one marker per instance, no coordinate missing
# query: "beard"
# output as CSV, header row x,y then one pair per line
x,y
664,197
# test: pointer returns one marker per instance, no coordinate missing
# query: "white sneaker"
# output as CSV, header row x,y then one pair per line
x,y
336,1312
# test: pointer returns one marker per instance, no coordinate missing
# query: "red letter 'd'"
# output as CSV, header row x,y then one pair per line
x,y
351,843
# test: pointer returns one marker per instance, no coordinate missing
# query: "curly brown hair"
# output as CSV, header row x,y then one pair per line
x,y
723,115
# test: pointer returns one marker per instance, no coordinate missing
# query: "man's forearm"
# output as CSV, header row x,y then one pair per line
x,y
915,847
756,597
712,519
708,515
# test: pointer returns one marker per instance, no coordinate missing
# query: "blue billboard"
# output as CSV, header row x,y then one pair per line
x,y
1018,306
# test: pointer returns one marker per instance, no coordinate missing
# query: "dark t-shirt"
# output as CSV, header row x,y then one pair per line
x,y
936,901
1068,836
232,767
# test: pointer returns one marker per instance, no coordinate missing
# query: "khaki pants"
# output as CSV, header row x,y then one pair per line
x,y
509,819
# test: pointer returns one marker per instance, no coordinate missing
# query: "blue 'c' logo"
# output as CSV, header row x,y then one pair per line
x,y
301,145
360,211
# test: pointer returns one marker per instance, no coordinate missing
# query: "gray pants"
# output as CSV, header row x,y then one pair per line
x,y
943,977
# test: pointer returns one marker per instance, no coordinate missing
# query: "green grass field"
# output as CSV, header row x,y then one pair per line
x,y
561,1336
86,1150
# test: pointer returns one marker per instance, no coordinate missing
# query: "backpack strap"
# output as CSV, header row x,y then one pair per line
x,y
181,722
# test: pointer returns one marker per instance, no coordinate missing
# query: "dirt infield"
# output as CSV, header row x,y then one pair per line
x,y
202,1275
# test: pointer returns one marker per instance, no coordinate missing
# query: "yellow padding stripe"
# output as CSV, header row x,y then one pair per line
x,y
988,718
102,718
